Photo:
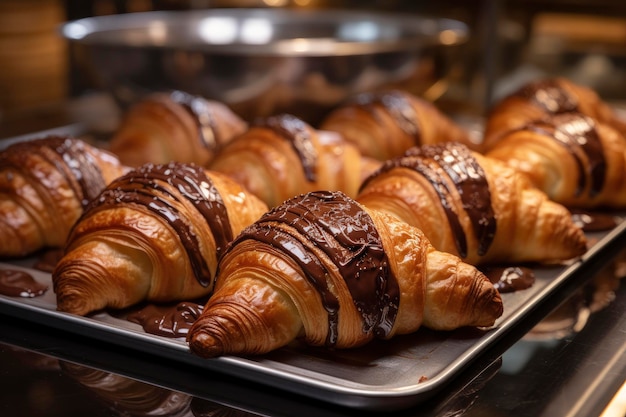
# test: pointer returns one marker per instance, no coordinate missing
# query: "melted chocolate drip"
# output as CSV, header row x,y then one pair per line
x,y
71,159
578,134
339,227
147,187
297,132
398,106
169,321
549,95
443,163
199,108
593,222
510,278
17,283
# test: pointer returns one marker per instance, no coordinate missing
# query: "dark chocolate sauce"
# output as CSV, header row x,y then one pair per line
x,y
298,133
69,156
471,183
578,134
549,95
200,109
593,222
454,162
17,283
398,106
337,225
169,321
158,188
510,278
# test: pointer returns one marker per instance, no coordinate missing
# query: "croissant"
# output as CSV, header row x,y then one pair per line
x,y
174,126
472,206
44,186
385,124
542,98
326,270
282,156
154,234
575,160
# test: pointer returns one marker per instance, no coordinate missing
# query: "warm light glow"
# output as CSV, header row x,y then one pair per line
x,y
218,30
157,31
448,37
275,3
256,31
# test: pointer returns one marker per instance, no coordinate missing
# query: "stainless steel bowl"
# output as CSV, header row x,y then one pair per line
x,y
265,61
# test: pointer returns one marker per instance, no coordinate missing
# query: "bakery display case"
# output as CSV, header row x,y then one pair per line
x,y
419,218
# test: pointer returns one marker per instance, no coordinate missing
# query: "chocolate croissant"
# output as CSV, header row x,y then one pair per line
x,y
472,206
576,160
324,269
541,99
282,156
176,126
385,124
45,185
154,234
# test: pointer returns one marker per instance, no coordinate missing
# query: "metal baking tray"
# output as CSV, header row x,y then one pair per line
x,y
384,375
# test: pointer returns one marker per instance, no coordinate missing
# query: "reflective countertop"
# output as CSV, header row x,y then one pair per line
x,y
567,359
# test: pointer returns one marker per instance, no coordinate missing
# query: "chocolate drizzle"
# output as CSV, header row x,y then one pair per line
x,y
298,133
169,321
398,106
508,279
549,95
18,283
453,162
578,134
338,226
199,108
159,188
71,159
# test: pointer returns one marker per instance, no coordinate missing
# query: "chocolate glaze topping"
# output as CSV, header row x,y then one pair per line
x,y
199,108
446,162
17,283
578,134
337,225
398,106
158,187
549,95
298,133
71,159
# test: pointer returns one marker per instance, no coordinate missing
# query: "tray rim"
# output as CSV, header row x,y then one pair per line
x,y
355,395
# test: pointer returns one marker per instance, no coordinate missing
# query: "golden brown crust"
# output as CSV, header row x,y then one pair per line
x,y
575,160
540,99
527,226
174,127
282,156
384,125
266,298
153,235
44,187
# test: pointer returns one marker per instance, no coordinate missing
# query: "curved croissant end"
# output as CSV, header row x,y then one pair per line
x,y
324,269
385,124
154,234
282,156
473,206
176,126
44,186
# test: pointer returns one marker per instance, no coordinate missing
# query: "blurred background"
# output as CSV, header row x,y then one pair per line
x,y
510,41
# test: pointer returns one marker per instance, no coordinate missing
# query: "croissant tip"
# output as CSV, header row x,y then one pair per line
x,y
205,345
